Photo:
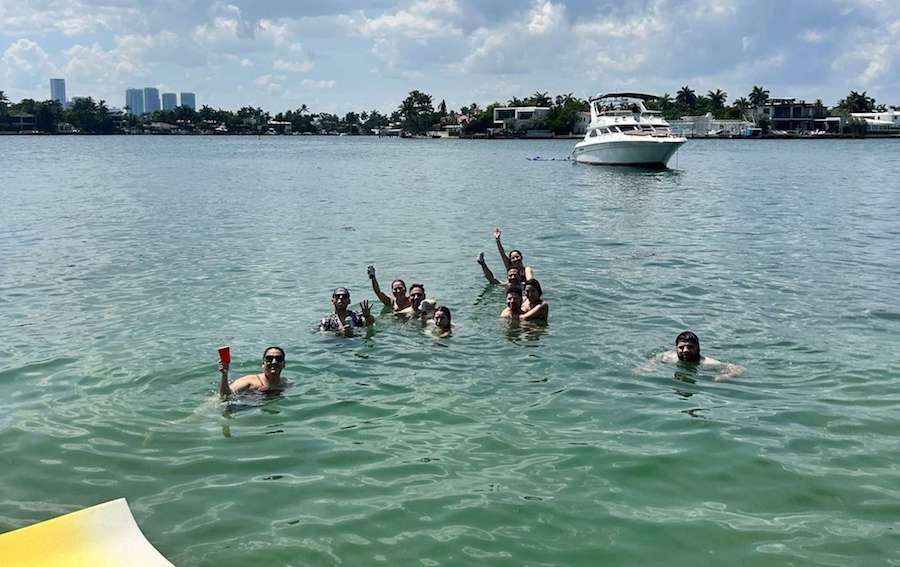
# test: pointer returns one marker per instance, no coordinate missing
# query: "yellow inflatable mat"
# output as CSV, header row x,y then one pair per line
x,y
99,536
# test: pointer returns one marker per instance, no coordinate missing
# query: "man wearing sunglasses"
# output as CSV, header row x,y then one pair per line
x,y
268,380
343,319
399,302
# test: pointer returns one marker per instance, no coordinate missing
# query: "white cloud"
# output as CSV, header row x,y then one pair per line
x,y
301,66
25,64
312,84
93,64
70,17
425,19
536,40
272,84
813,36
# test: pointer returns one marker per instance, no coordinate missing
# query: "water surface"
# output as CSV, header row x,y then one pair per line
x,y
125,262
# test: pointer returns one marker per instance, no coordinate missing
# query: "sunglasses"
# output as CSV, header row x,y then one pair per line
x,y
399,289
274,358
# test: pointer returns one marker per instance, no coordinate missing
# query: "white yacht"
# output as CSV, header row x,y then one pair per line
x,y
623,132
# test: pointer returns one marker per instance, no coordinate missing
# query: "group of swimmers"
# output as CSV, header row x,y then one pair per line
x,y
524,302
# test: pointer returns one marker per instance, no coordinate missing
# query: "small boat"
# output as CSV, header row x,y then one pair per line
x,y
104,535
623,131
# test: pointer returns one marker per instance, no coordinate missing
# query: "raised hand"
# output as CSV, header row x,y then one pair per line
x,y
497,233
371,272
480,258
366,307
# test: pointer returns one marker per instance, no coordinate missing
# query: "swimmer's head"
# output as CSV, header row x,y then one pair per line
x,y
442,318
514,297
273,360
341,297
416,294
533,291
687,347
516,258
398,286
514,276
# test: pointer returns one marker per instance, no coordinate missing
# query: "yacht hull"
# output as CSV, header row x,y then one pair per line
x,y
642,152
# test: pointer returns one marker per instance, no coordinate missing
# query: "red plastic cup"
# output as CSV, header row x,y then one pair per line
x,y
225,355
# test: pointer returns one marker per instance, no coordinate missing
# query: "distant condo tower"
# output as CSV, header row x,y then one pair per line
x,y
134,100
170,101
58,91
188,99
151,99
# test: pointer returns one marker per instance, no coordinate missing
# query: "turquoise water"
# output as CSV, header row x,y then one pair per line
x,y
125,262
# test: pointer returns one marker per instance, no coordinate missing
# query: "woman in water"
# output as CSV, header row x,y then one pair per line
x,y
537,310
442,322
399,302
514,259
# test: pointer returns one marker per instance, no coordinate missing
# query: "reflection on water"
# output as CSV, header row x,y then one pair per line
x,y
525,332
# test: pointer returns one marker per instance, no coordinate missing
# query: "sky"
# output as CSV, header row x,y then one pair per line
x,y
344,55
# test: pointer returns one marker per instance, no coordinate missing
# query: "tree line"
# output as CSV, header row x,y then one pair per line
x,y
416,114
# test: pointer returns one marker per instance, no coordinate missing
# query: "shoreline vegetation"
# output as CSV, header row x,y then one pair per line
x,y
417,117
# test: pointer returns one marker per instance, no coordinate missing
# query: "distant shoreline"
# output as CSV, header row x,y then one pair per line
x,y
521,138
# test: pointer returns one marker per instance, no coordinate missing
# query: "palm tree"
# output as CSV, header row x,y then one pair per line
x,y
741,103
857,102
717,98
665,100
515,101
4,102
303,108
686,97
758,96
540,99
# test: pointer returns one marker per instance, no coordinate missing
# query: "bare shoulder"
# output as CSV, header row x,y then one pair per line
x,y
250,381
668,356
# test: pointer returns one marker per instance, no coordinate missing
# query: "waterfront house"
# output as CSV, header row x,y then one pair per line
x,y
790,114
707,126
518,119
21,121
880,122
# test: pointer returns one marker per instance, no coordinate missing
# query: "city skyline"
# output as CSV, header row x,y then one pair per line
x,y
363,55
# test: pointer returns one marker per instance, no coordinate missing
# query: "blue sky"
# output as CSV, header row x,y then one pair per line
x,y
346,55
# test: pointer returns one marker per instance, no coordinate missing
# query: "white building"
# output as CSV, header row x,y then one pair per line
x,y
707,126
887,121
151,99
58,91
188,99
169,101
519,118
134,101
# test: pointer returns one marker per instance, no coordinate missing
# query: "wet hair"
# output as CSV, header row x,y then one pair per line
x,y
445,310
535,284
416,285
395,281
340,291
514,289
688,337
522,256
278,348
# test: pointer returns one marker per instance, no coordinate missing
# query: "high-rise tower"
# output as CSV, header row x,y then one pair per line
x,y
58,91
134,100
151,99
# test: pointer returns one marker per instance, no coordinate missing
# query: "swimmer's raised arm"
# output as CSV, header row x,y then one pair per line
x,y
224,389
488,274
500,249
383,297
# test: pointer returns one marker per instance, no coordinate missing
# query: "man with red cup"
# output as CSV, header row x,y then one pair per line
x,y
268,380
